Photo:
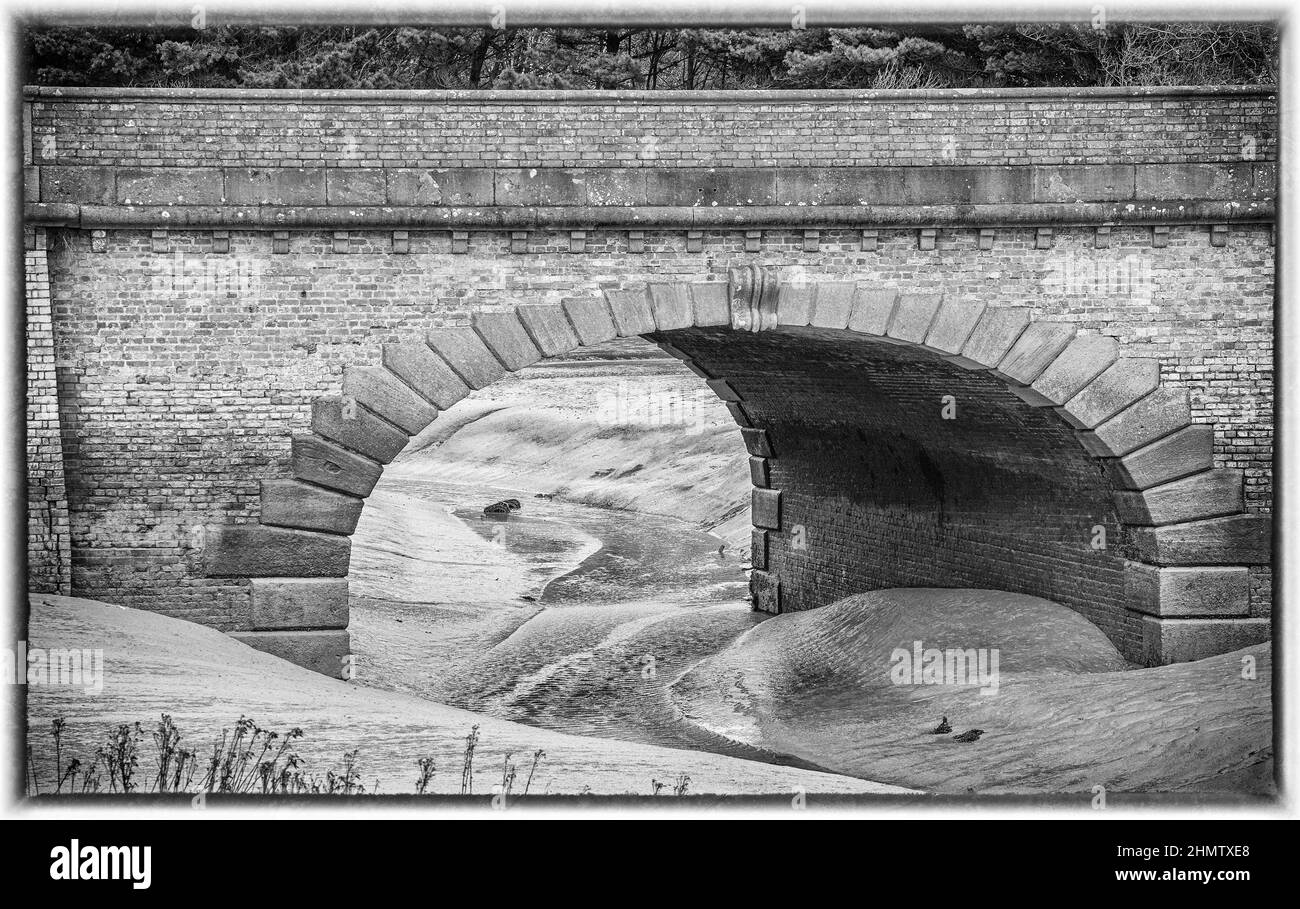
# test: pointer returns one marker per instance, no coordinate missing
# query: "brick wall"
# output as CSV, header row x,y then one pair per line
x,y
878,489
48,537
133,128
183,373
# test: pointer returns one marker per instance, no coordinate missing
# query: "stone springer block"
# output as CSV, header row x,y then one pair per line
x,y
257,550
319,651
298,603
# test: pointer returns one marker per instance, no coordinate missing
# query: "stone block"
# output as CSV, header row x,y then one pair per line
x,y
464,351
872,309
757,442
318,461
355,186
794,303
736,410
1083,183
319,651
419,367
1194,180
765,592
631,312
539,186
1121,384
758,550
994,334
952,325
1082,360
758,473
82,185
710,303
1035,350
504,335
1187,592
1166,640
612,185
352,425
462,187
590,319
707,186
169,186
1242,539
386,395
913,316
293,503
274,186
1210,494
261,551
1153,417
1187,451
833,304
672,306
547,327
299,603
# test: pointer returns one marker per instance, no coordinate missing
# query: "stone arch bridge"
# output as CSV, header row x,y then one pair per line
x,y
988,338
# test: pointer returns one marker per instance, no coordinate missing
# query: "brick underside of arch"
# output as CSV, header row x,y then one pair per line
x,y
1188,543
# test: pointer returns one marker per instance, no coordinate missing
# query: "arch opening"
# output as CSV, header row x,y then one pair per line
x,y
861,479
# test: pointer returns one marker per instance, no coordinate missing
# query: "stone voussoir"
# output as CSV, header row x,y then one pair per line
x,y
590,319
952,325
1036,349
833,305
353,426
419,367
995,333
505,336
1124,382
1153,417
873,307
671,304
294,503
913,316
464,351
1084,358
548,327
388,396
711,305
1183,452
631,313
794,303
320,461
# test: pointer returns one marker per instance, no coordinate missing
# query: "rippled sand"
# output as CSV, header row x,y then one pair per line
x,y
1067,715
207,680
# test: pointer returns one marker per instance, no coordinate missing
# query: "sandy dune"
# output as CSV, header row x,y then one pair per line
x,y
1066,715
206,681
